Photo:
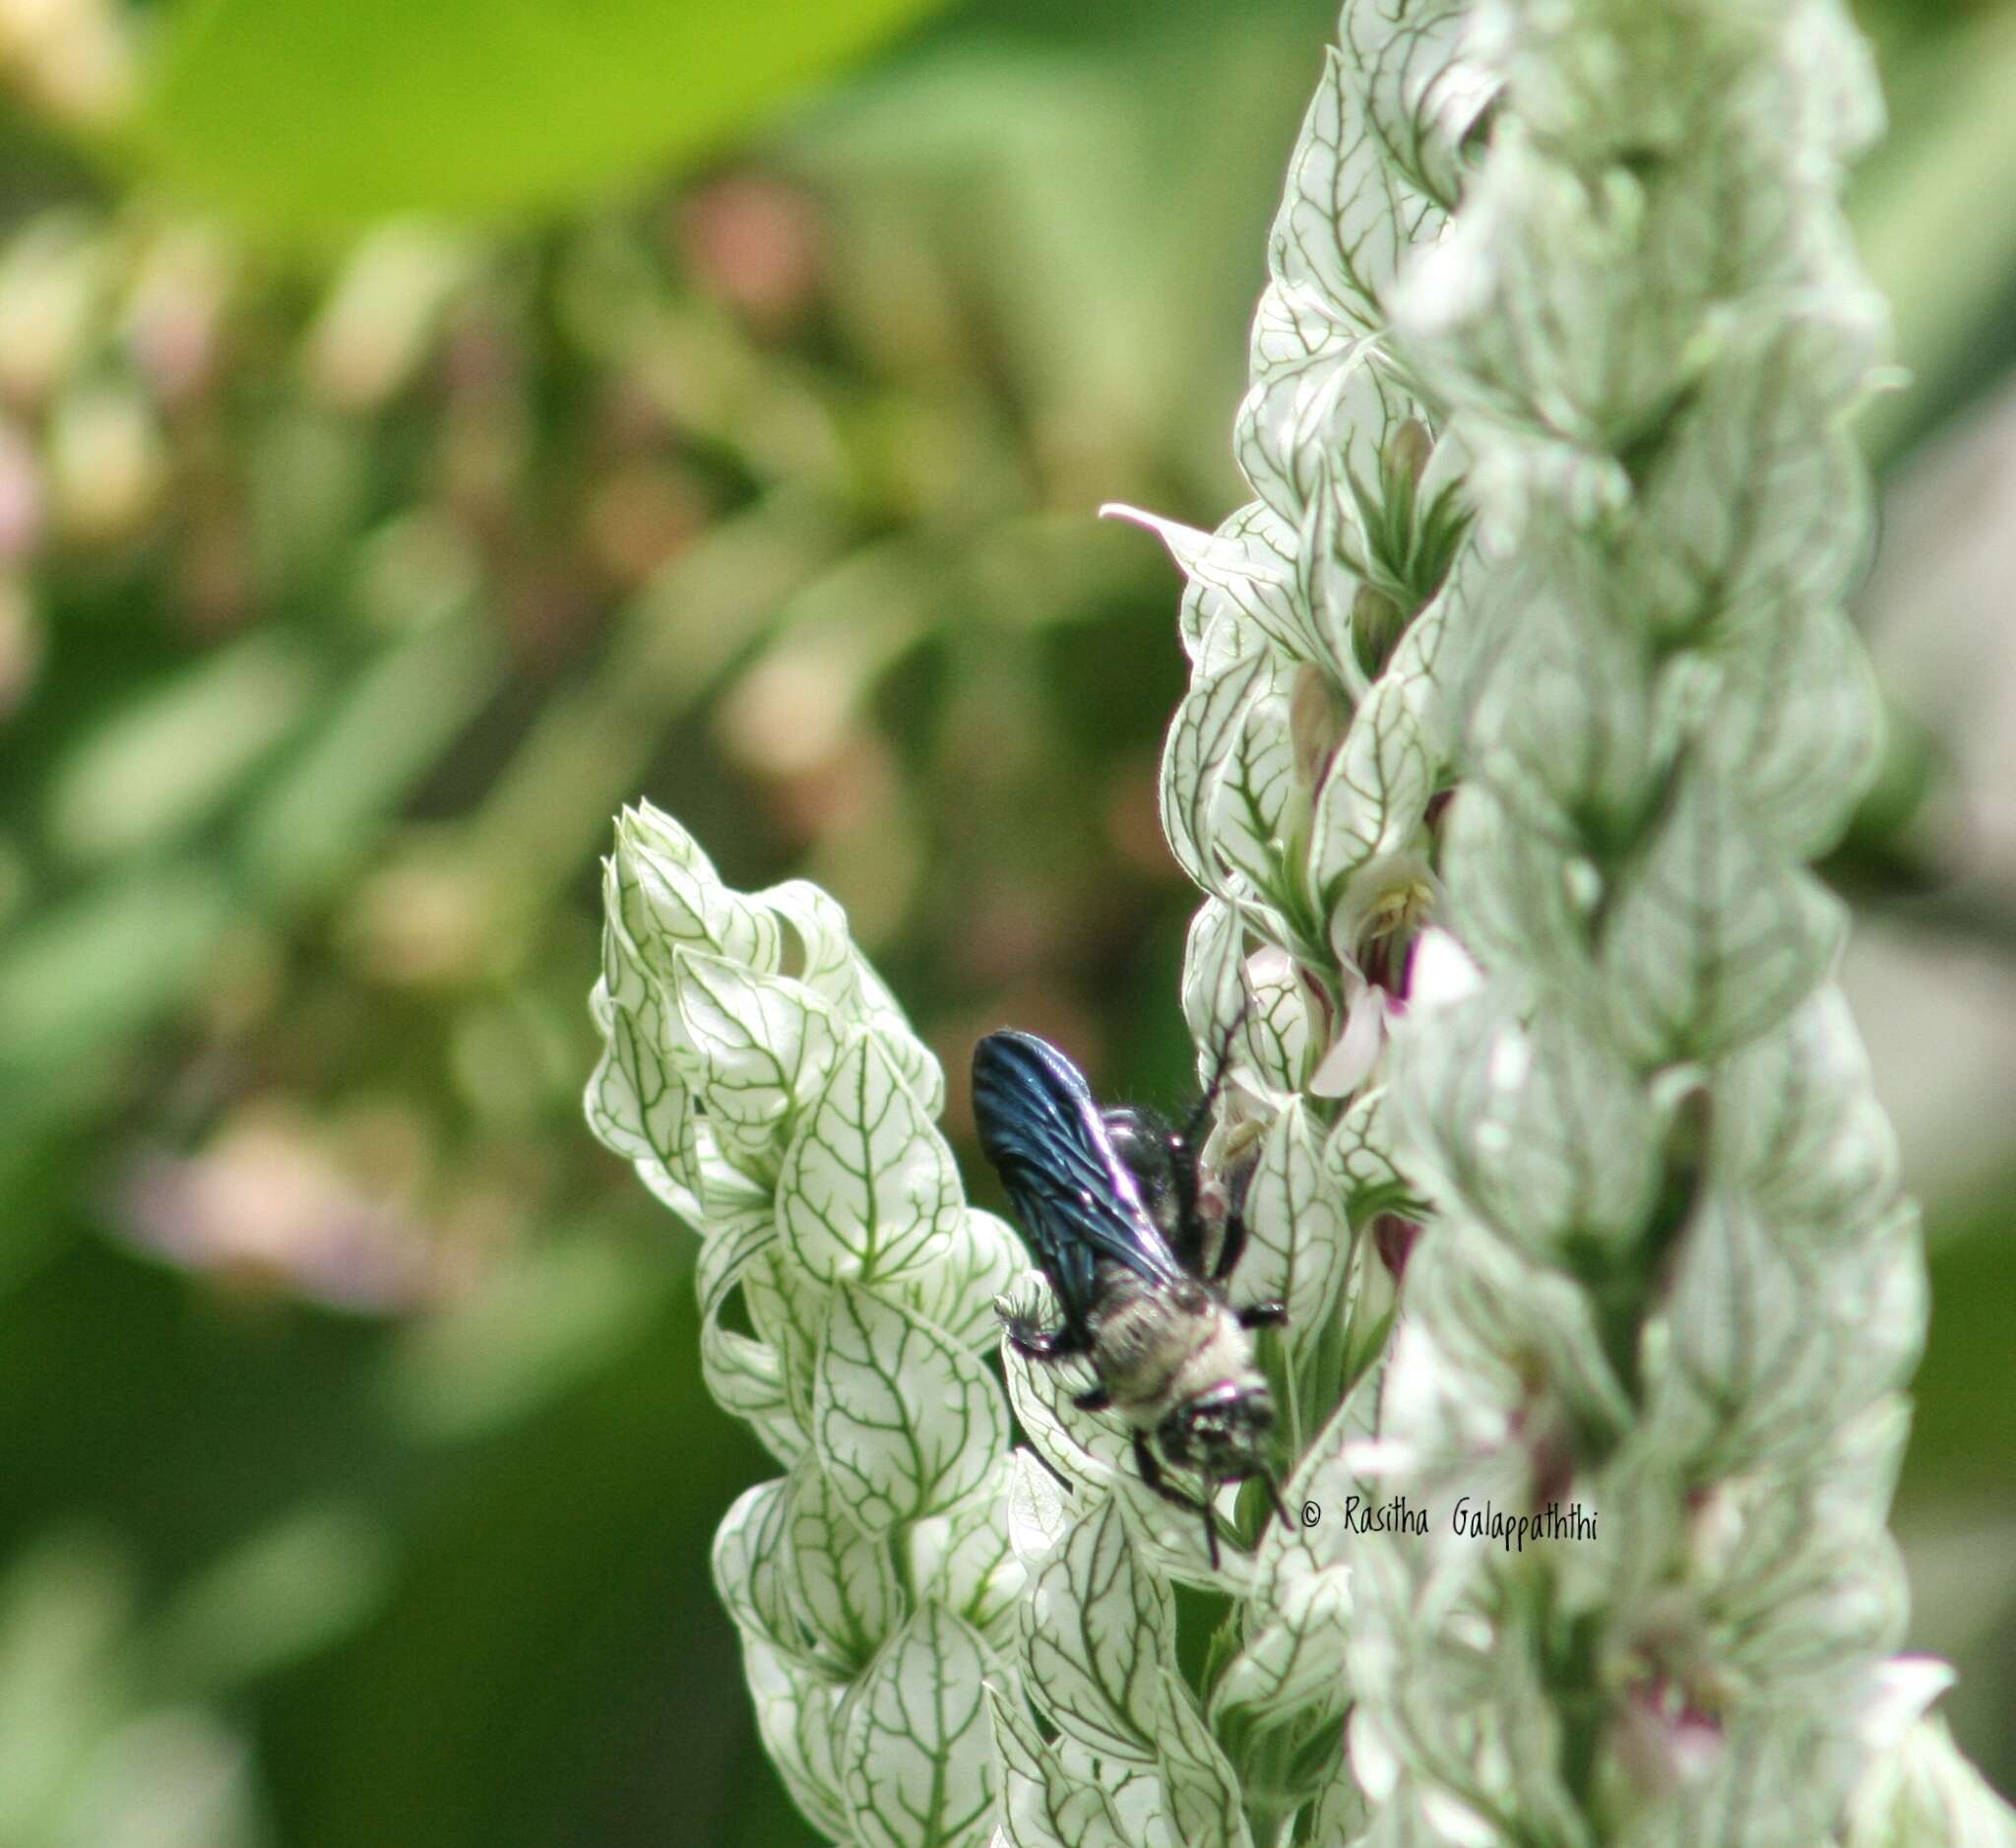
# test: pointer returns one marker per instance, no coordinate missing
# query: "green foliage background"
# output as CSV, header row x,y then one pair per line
x,y
737,445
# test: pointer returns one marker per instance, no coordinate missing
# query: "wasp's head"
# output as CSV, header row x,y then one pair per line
x,y
1223,1433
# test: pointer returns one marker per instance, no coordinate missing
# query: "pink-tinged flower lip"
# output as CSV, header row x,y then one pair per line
x,y
1440,970
1667,1739
1897,1693
1350,1063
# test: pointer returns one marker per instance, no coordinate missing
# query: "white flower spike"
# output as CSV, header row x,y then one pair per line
x,y
766,1087
1520,697
1668,1298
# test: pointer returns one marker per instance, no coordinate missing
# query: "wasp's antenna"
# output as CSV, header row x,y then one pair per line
x,y
1273,1496
1208,1103
1209,1522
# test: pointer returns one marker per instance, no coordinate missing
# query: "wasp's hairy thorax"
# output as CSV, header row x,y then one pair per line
x,y
1153,1347
1175,1361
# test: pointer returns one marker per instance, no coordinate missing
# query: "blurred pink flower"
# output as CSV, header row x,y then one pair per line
x,y
264,1210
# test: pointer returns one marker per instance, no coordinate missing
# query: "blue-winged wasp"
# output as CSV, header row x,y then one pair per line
x,y
1110,1204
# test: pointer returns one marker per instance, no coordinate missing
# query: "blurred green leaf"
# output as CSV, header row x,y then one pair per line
x,y
326,808
538,1326
1933,219
63,1610
104,966
283,1593
319,113
162,763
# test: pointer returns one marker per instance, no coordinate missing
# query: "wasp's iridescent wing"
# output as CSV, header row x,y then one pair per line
x,y
1073,1196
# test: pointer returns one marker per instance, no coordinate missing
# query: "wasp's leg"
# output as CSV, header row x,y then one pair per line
x,y
1063,1482
1270,1314
1210,1524
1231,1247
1093,1399
1026,1336
1150,1473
